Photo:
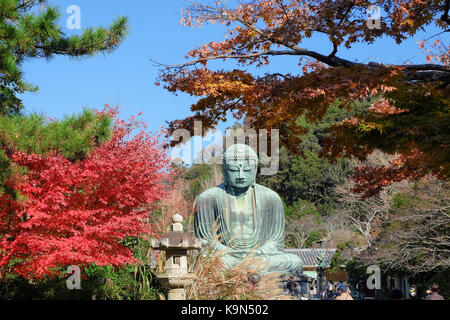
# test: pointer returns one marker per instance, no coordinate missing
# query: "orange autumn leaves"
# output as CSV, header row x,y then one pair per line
x,y
403,123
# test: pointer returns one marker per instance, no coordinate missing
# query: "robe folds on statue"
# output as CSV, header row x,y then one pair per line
x,y
215,223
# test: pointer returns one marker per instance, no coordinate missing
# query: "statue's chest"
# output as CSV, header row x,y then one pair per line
x,y
241,214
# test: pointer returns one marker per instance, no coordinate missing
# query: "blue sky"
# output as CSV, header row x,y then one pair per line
x,y
127,76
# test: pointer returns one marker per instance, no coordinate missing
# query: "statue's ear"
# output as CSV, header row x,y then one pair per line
x,y
224,172
255,172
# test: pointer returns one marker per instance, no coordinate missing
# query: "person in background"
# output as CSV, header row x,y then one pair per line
x,y
413,292
345,294
329,289
361,287
336,291
292,286
434,295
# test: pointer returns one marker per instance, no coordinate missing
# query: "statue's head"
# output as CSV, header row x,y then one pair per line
x,y
240,164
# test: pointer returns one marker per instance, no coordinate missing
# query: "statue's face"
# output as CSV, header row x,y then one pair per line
x,y
239,174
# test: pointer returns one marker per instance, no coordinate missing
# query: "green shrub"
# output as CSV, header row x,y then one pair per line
x,y
402,200
300,208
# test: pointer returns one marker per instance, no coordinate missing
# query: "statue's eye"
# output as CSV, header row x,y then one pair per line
x,y
247,169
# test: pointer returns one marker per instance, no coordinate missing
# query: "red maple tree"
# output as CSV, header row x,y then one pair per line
x,y
77,213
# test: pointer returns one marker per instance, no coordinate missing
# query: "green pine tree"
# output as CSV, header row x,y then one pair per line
x,y
74,137
29,29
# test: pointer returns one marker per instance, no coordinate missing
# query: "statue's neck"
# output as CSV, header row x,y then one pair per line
x,y
237,192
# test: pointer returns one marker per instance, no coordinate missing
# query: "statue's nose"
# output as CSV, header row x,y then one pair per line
x,y
241,173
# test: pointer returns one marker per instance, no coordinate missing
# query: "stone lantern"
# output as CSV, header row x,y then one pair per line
x,y
176,244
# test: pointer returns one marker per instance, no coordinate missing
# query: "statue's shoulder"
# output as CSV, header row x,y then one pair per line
x,y
269,193
211,193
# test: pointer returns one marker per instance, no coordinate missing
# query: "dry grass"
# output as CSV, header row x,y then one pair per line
x,y
215,282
